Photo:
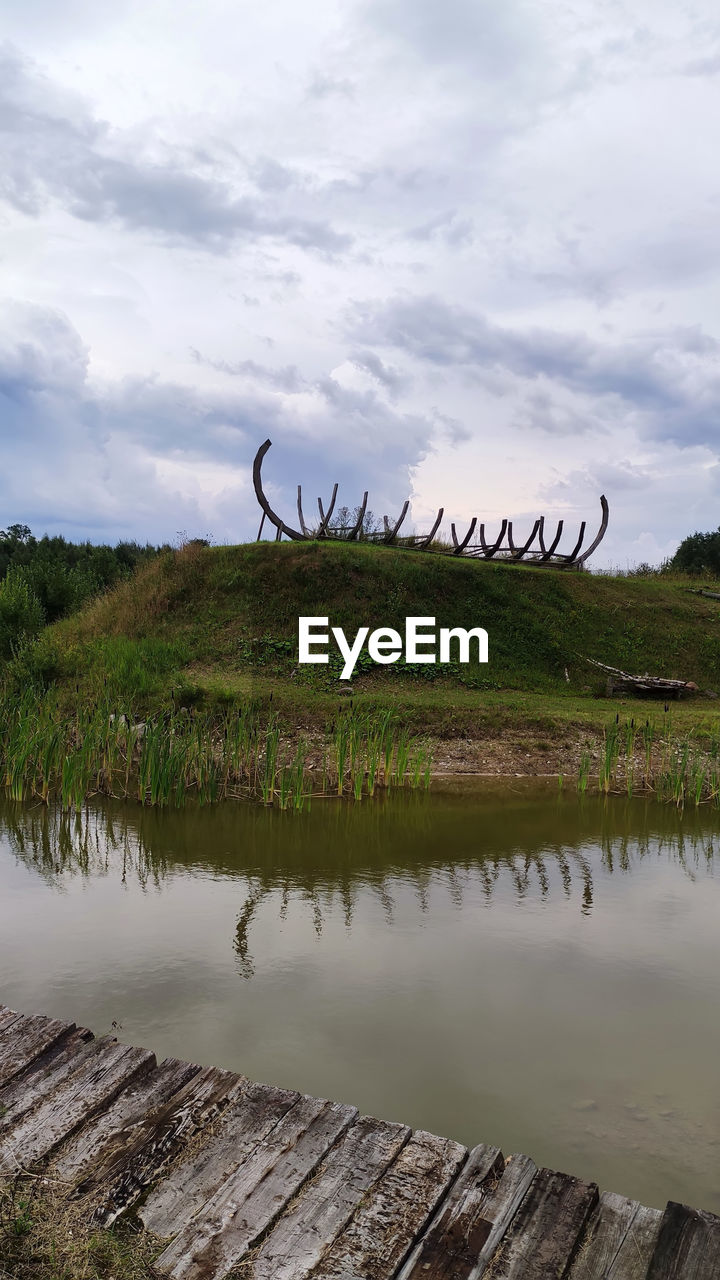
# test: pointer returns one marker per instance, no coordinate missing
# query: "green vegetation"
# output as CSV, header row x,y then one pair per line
x,y
698,554
194,637
214,623
43,1236
41,579
653,757
46,753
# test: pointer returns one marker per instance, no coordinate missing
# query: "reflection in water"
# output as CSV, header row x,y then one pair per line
x,y
531,969
331,856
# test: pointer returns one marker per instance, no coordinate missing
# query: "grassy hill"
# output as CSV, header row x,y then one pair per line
x,y
206,625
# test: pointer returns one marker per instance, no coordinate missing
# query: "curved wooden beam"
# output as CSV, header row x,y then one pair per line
x,y
460,546
355,531
547,551
570,559
391,534
519,552
600,533
257,483
325,519
428,537
488,551
301,518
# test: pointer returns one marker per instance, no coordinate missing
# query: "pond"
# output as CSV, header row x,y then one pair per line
x,y
515,966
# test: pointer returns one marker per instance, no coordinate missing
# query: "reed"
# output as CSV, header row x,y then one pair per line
x,y
655,760
46,754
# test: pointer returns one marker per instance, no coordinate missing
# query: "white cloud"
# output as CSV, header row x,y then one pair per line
x,y
518,204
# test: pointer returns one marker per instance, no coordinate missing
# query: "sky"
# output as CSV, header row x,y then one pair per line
x,y
464,253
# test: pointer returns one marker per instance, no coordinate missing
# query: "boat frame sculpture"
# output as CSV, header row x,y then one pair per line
x,y
535,550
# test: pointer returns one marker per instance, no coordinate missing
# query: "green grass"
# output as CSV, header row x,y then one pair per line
x,y
207,628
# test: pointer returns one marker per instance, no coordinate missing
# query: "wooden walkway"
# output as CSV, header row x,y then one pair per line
x,y
232,1174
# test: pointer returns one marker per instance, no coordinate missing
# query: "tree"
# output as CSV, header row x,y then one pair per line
x,y
345,521
699,553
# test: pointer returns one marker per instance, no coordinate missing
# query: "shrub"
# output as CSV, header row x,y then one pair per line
x,y
21,613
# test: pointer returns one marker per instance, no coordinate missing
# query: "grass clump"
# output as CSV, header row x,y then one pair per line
x,y
43,1236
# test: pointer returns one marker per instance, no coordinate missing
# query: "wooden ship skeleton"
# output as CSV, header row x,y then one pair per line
x,y
537,549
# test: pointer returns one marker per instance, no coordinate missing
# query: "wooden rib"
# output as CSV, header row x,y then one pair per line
x,y
460,546
325,519
301,518
304,1232
262,522
600,533
489,551
547,552
354,532
249,1202
382,1231
192,1182
30,1038
619,1243
547,1229
519,552
391,534
259,494
428,537
570,559
688,1245
71,1104
127,1173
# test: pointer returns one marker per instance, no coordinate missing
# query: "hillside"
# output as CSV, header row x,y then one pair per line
x,y
206,626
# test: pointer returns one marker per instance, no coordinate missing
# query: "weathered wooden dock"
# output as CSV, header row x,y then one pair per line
x,y
281,1186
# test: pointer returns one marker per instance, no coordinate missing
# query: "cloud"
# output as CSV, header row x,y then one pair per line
x,y
55,151
144,457
387,375
288,379
667,381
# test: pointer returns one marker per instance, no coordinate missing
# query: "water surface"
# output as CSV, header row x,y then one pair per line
x,y
514,967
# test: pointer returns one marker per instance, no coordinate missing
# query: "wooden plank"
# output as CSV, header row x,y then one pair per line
x,y
118,1125
127,1172
636,1250
80,1096
547,1229
324,1207
501,1206
36,1081
619,1241
461,1238
385,1226
26,1040
7,1017
245,1124
688,1245
249,1202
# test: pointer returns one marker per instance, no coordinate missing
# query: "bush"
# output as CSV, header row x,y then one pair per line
x,y
21,613
699,553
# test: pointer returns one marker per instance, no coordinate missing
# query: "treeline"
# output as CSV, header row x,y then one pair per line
x,y
41,579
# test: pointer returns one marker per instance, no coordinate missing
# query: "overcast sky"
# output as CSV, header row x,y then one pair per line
x,y
464,251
